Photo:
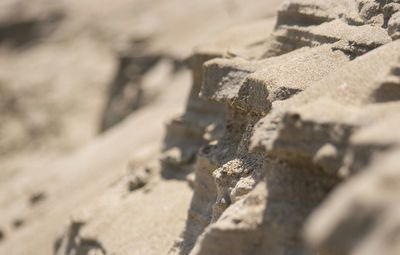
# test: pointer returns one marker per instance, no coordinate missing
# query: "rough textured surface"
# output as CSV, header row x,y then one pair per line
x,y
287,142
293,110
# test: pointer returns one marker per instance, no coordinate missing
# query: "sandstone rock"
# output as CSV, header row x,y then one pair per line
x,y
301,144
287,143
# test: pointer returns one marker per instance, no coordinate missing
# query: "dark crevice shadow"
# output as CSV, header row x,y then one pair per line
x,y
2,235
171,171
71,244
387,92
126,93
26,33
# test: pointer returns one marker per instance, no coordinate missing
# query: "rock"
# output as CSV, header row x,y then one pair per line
x,y
298,122
336,229
287,142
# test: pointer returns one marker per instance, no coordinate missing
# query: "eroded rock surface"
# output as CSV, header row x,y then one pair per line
x,y
288,142
295,107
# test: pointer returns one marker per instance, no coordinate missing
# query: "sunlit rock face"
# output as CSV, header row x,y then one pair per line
x,y
296,107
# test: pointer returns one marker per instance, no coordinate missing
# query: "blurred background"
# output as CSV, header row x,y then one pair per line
x,y
70,72
70,69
